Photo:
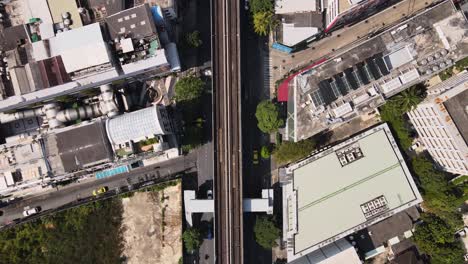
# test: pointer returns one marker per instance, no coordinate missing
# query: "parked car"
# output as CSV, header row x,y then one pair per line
x,y
415,145
31,211
209,194
209,231
255,157
101,190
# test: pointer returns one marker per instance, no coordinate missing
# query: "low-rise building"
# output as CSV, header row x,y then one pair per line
x,y
343,189
78,147
441,121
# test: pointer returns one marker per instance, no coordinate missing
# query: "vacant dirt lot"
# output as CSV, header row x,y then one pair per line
x,y
153,226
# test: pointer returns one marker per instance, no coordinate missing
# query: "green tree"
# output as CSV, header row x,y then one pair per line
x,y
268,119
264,22
188,89
87,234
257,6
436,238
408,99
266,232
441,197
192,239
265,152
289,151
193,39
390,113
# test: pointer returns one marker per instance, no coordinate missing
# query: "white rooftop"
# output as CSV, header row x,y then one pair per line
x,y
338,252
293,35
344,189
80,48
37,9
158,60
294,6
398,58
134,126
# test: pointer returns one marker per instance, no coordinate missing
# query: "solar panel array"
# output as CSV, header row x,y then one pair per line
x,y
352,78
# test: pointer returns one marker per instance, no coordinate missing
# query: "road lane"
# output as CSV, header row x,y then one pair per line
x,y
73,192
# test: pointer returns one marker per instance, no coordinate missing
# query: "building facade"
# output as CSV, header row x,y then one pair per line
x,y
442,123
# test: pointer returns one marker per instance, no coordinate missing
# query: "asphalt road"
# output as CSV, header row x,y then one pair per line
x,y
255,87
76,191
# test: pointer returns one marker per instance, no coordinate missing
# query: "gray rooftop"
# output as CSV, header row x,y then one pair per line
x,y
331,197
457,107
110,7
135,23
11,37
74,148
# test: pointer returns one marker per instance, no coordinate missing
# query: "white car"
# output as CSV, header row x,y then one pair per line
x,y
31,211
415,145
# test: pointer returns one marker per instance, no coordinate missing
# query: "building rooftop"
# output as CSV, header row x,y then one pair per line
x,y
345,188
59,8
135,126
360,79
338,252
295,6
136,23
77,147
457,106
105,8
72,45
298,27
11,37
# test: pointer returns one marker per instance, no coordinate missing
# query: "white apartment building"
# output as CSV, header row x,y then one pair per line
x,y
441,121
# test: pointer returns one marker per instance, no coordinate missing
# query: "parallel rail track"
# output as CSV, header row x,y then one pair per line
x,y
227,131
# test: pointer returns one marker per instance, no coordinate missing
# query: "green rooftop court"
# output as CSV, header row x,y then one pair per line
x,y
344,189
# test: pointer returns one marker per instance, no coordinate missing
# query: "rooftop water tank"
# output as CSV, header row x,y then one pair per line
x,y
65,15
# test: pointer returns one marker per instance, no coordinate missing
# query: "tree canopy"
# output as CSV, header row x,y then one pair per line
x,y
266,232
263,22
289,151
188,89
436,238
395,109
192,239
87,234
268,119
408,99
441,197
193,39
257,6
265,152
